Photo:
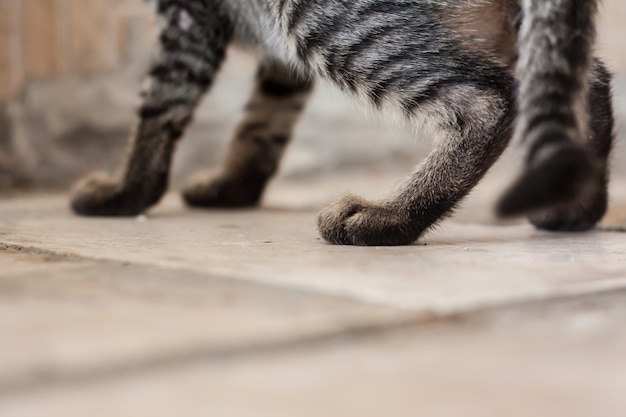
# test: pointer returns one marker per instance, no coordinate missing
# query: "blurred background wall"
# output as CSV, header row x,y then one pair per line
x,y
70,71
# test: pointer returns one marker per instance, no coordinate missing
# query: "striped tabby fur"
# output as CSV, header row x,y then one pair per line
x,y
478,72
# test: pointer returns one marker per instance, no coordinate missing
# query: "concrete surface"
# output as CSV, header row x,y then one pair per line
x,y
564,358
249,313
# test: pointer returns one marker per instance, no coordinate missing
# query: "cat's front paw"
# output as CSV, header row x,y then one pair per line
x,y
208,190
101,195
355,221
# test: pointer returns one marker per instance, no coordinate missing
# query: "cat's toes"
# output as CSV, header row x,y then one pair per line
x,y
355,221
101,195
574,217
214,191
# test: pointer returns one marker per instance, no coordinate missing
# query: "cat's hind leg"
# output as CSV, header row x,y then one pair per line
x,y
585,212
475,126
255,151
555,45
192,48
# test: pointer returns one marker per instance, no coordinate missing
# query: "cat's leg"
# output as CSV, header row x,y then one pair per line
x,y
584,213
192,47
555,47
474,125
260,140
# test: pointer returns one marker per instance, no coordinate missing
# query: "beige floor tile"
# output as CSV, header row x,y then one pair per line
x,y
560,359
61,319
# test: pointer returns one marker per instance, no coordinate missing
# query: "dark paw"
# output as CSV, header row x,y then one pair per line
x,y
575,217
214,191
100,195
354,221
562,178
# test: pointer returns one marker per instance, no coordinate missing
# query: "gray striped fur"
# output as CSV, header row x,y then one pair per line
x,y
456,67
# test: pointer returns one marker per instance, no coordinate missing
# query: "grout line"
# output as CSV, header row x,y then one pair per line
x,y
42,380
267,285
33,251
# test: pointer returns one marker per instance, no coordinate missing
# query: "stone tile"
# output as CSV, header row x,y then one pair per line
x,y
460,266
559,359
63,319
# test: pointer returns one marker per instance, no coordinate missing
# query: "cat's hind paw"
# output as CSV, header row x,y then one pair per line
x,y
355,221
213,191
575,217
101,195
565,176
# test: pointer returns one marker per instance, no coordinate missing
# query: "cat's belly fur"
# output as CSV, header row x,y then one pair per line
x,y
259,31
267,33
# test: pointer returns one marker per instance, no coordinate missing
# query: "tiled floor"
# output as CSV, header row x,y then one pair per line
x,y
249,313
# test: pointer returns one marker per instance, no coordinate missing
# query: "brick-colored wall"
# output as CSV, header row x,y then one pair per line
x,y
9,74
55,38
612,30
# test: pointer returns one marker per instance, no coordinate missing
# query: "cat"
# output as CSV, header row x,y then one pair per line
x,y
478,72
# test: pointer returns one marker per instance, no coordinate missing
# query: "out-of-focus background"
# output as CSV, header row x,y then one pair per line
x,y
70,71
